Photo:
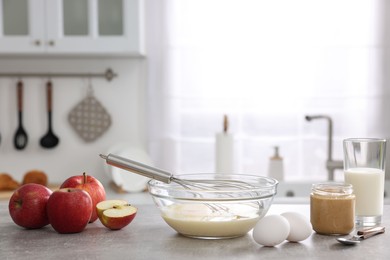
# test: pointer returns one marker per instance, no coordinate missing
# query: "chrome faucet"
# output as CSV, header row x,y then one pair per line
x,y
331,165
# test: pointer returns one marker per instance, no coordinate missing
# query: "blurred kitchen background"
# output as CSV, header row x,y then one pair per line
x,y
183,64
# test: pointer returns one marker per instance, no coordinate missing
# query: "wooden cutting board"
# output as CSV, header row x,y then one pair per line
x,y
6,195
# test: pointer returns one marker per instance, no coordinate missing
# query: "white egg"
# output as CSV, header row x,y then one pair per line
x,y
271,230
300,227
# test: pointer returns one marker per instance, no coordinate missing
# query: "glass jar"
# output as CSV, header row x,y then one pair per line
x,y
332,208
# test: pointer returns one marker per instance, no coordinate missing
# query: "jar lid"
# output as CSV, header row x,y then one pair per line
x,y
332,188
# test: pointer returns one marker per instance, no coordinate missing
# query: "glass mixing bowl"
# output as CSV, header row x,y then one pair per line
x,y
214,206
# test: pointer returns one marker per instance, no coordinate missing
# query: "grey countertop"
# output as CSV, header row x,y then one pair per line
x,y
149,237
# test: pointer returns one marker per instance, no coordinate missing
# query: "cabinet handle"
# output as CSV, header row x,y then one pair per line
x,y
51,43
37,42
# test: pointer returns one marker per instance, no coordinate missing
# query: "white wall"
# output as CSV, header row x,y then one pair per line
x,y
123,98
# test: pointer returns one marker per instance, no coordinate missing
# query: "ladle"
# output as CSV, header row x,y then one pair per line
x,y
361,235
49,140
20,138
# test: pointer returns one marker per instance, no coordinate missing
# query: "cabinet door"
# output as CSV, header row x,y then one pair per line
x,y
21,26
94,27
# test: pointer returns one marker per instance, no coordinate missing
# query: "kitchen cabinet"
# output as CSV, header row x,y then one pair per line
x,y
76,27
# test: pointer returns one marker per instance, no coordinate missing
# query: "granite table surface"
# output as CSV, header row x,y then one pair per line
x,y
149,237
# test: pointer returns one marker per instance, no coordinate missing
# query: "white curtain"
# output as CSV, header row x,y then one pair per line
x,y
266,64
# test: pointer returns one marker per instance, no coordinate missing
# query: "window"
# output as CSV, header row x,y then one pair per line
x,y
266,64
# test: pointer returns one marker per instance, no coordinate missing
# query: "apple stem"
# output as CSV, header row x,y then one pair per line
x,y
85,177
19,202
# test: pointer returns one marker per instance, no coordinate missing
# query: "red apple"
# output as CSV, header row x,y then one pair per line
x,y
69,210
91,185
27,205
115,214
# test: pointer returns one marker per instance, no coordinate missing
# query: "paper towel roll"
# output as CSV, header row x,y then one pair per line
x,y
224,153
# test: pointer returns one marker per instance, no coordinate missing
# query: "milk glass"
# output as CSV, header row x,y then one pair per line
x,y
364,168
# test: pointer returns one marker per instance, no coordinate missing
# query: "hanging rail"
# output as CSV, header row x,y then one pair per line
x,y
109,74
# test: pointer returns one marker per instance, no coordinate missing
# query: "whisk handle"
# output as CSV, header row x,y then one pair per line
x,y
137,167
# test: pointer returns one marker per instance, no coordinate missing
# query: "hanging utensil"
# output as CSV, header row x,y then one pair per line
x,y
89,118
49,140
20,138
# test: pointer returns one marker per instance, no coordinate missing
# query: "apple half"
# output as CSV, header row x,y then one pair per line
x,y
115,214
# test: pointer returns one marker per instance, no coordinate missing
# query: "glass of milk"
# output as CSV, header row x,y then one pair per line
x,y
364,168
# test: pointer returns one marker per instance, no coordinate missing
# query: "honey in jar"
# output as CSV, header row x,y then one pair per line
x,y
332,208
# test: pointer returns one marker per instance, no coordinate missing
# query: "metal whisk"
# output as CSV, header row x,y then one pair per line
x,y
167,177
254,195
